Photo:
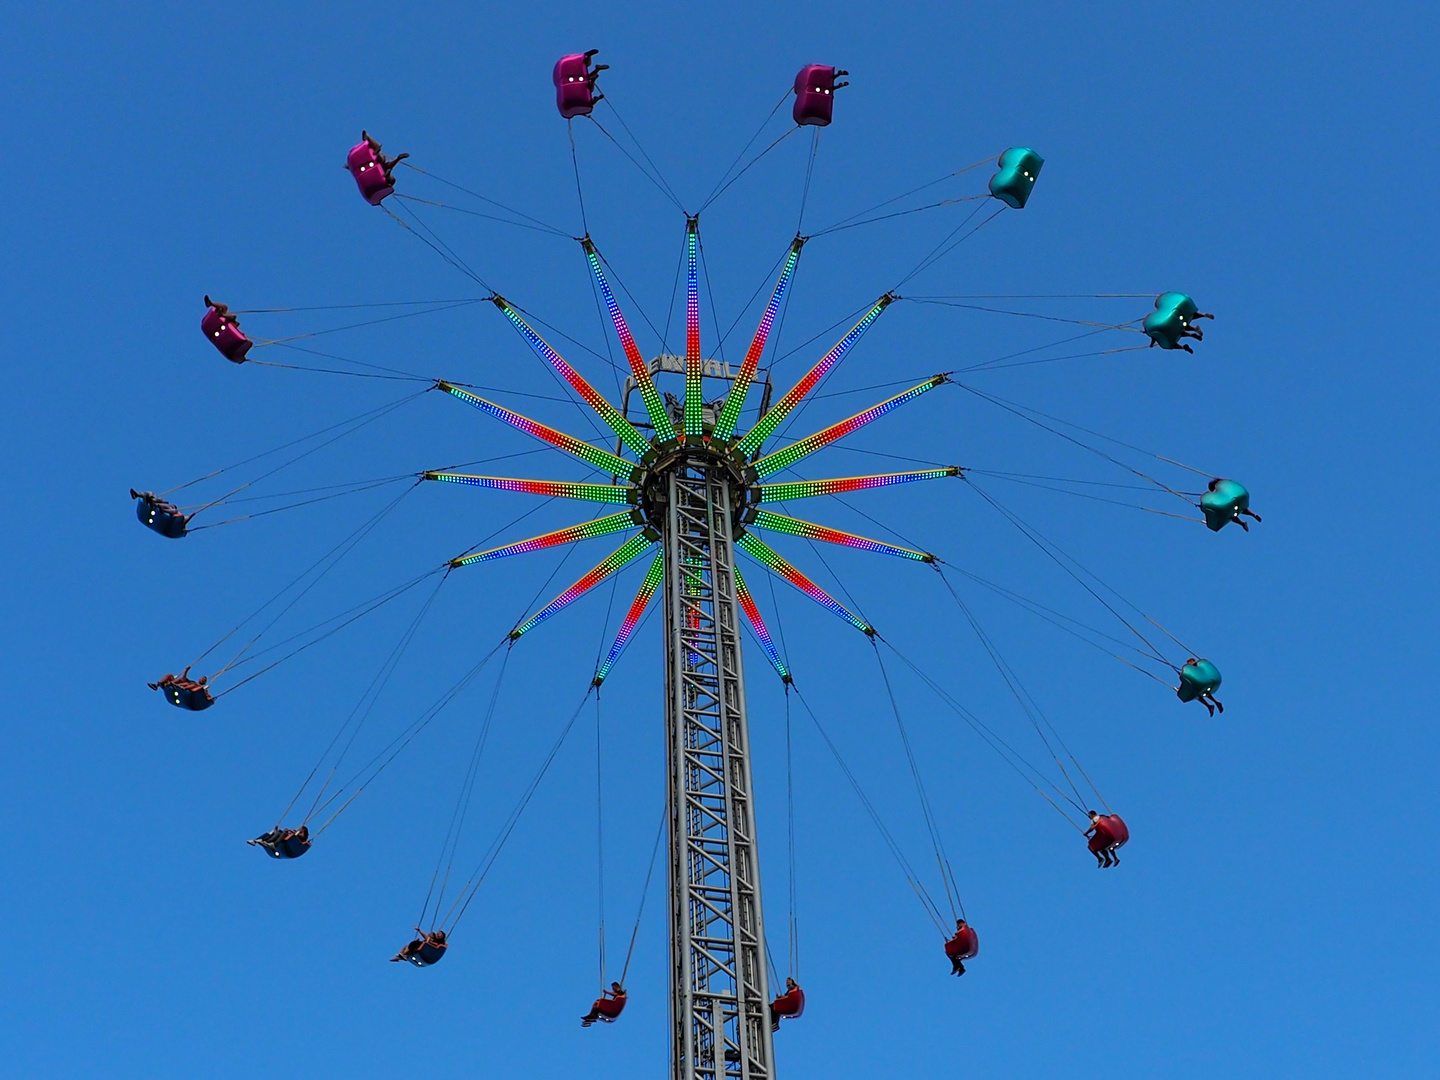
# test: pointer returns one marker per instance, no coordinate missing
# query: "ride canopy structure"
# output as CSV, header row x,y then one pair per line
x,y
682,487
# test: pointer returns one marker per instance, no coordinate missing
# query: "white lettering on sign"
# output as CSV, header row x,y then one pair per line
x,y
713,369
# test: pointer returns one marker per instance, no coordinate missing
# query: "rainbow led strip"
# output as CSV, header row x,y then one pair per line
x,y
602,493
752,442
725,426
601,459
626,519
747,604
805,489
694,411
632,617
654,406
636,545
764,519
618,424
782,459
758,550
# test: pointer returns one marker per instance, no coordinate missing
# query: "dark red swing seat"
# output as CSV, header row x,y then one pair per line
x,y
964,945
1110,832
789,1005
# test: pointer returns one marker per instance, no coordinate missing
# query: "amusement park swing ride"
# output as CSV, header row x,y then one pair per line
x,y
688,492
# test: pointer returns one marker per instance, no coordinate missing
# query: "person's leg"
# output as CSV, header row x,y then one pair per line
x,y
1250,513
1115,856
1244,525
1187,348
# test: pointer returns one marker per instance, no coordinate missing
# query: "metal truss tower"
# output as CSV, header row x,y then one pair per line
x,y
720,995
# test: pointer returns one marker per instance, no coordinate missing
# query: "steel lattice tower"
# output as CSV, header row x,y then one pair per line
x,y
719,990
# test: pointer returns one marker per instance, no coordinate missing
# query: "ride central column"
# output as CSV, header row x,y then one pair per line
x,y
720,995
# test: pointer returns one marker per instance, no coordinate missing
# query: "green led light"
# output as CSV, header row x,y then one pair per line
x,y
636,545
751,443
764,519
783,459
601,459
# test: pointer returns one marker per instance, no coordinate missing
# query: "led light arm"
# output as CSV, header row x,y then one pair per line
x,y
592,397
764,519
751,443
654,406
725,426
747,604
782,459
603,493
626,519
694,412
758,550
601,459
805,489
622,555
632,617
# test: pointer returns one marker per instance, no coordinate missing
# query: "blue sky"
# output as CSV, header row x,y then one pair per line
x,y
1273,915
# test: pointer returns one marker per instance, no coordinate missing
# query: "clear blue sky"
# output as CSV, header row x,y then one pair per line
x,y
1274,913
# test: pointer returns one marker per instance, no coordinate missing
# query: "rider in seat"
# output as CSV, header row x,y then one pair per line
x,y
388,164
788,1006
284,843
1107,833
185,692
961,947
609,1005
425,950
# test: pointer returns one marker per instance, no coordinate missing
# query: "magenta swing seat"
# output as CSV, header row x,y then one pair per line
x,y
575,84
815,88
225,334
365,165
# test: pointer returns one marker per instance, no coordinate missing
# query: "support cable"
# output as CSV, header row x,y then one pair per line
x,y
472,885
909,871
451,842
493,202
947,876
332,557
1007,753
436,245
366,703
906,195
644,892
639,146
448,306
387,754
949,244
575,161
360,420
1024,413
716,191
794,937
809,174
659,183
1022,695
1064,561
